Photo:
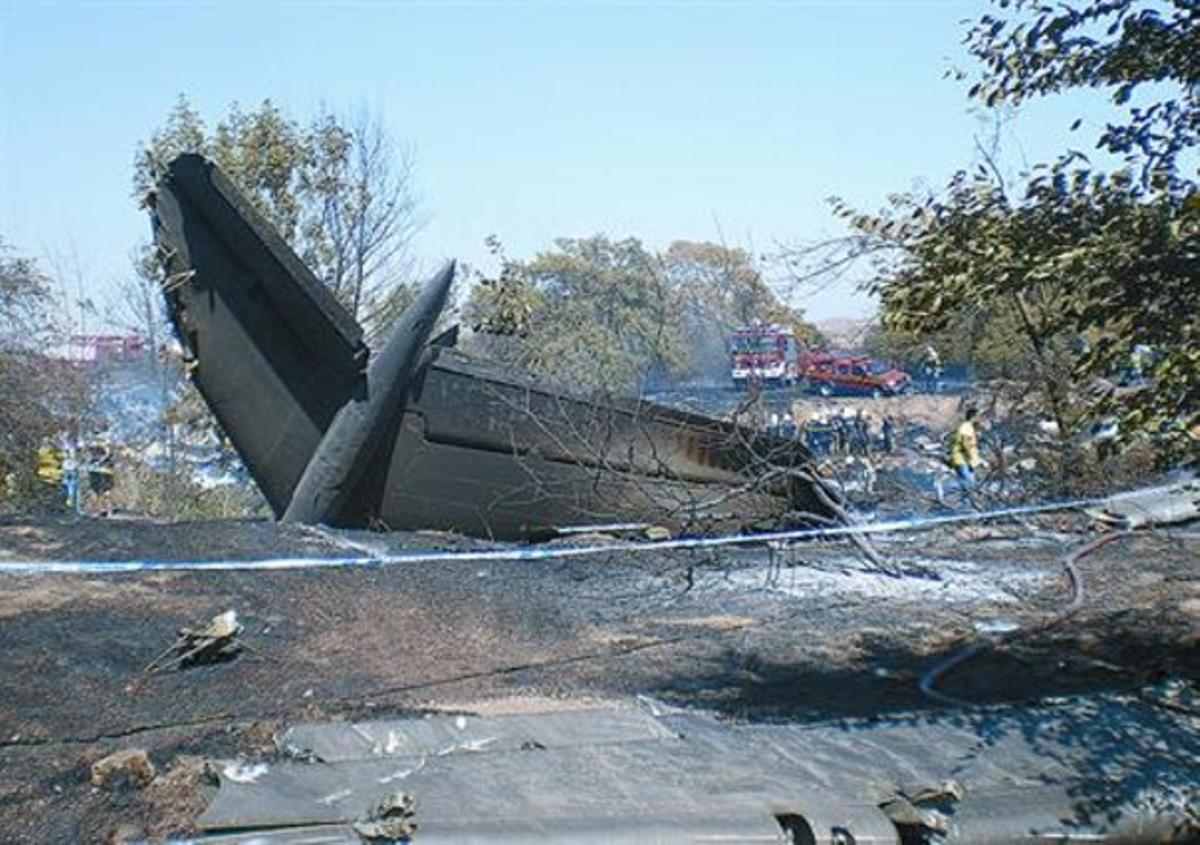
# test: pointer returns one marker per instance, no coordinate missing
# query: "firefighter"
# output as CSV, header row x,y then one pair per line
x,y
818,435
51,474
71,466
964,452
799,422
49,464
861,428
841,432
932,369
100,476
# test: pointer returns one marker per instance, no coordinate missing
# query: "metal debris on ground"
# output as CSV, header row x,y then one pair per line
x,y
240,772
928,810
131,765
1048,772
394,818
215,642
1172,504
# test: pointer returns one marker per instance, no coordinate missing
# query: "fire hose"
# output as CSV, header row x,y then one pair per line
x,y
931,679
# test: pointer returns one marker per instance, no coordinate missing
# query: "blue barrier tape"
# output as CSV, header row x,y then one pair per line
x,y
530,553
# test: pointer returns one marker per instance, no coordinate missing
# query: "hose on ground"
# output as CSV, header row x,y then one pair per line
x,y
932,679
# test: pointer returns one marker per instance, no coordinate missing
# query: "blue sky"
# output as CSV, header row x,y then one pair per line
x,y
718,121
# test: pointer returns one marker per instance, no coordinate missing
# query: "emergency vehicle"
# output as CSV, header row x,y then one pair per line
x,y
828,374
764,354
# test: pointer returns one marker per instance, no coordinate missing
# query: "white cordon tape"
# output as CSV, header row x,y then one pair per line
x,y
526,553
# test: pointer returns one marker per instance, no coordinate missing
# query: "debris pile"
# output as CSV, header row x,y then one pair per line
x,y
132,766
1148,507
392,819
215,642
927,812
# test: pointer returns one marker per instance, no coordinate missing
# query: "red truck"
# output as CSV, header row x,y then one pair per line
x,y
771,356
828,374
764,354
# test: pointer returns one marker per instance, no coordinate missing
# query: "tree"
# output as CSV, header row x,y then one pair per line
x,y
596,313
612,315
1082,270
502,307
986,340
567,308
337,190
720,289
1127,48
974,252
40,397
1140,259
363,215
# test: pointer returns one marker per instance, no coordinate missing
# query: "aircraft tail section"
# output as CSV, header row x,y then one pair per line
x,y
273,353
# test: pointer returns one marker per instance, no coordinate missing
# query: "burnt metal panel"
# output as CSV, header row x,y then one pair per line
x,y
344,742
518,416
1086,769
583,788
501,454
494,492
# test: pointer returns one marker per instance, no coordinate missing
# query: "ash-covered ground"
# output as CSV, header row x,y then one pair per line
x,y
805,634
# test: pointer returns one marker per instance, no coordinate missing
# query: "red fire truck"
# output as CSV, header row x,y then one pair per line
x,y
764,354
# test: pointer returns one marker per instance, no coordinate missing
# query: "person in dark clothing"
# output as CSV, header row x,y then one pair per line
x,y
840,435
889,435
862,434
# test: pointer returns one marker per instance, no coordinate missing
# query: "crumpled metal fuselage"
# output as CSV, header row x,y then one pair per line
x,y
418,435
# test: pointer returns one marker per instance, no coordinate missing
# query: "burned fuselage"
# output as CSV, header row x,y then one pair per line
x,y
418,435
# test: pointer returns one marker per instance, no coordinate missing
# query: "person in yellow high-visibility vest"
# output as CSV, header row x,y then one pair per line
x,y
49,465
964,451
50,472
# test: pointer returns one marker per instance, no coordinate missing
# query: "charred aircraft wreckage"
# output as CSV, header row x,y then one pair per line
x,y
416,435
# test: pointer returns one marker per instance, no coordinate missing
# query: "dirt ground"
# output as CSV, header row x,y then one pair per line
x,y
802,634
